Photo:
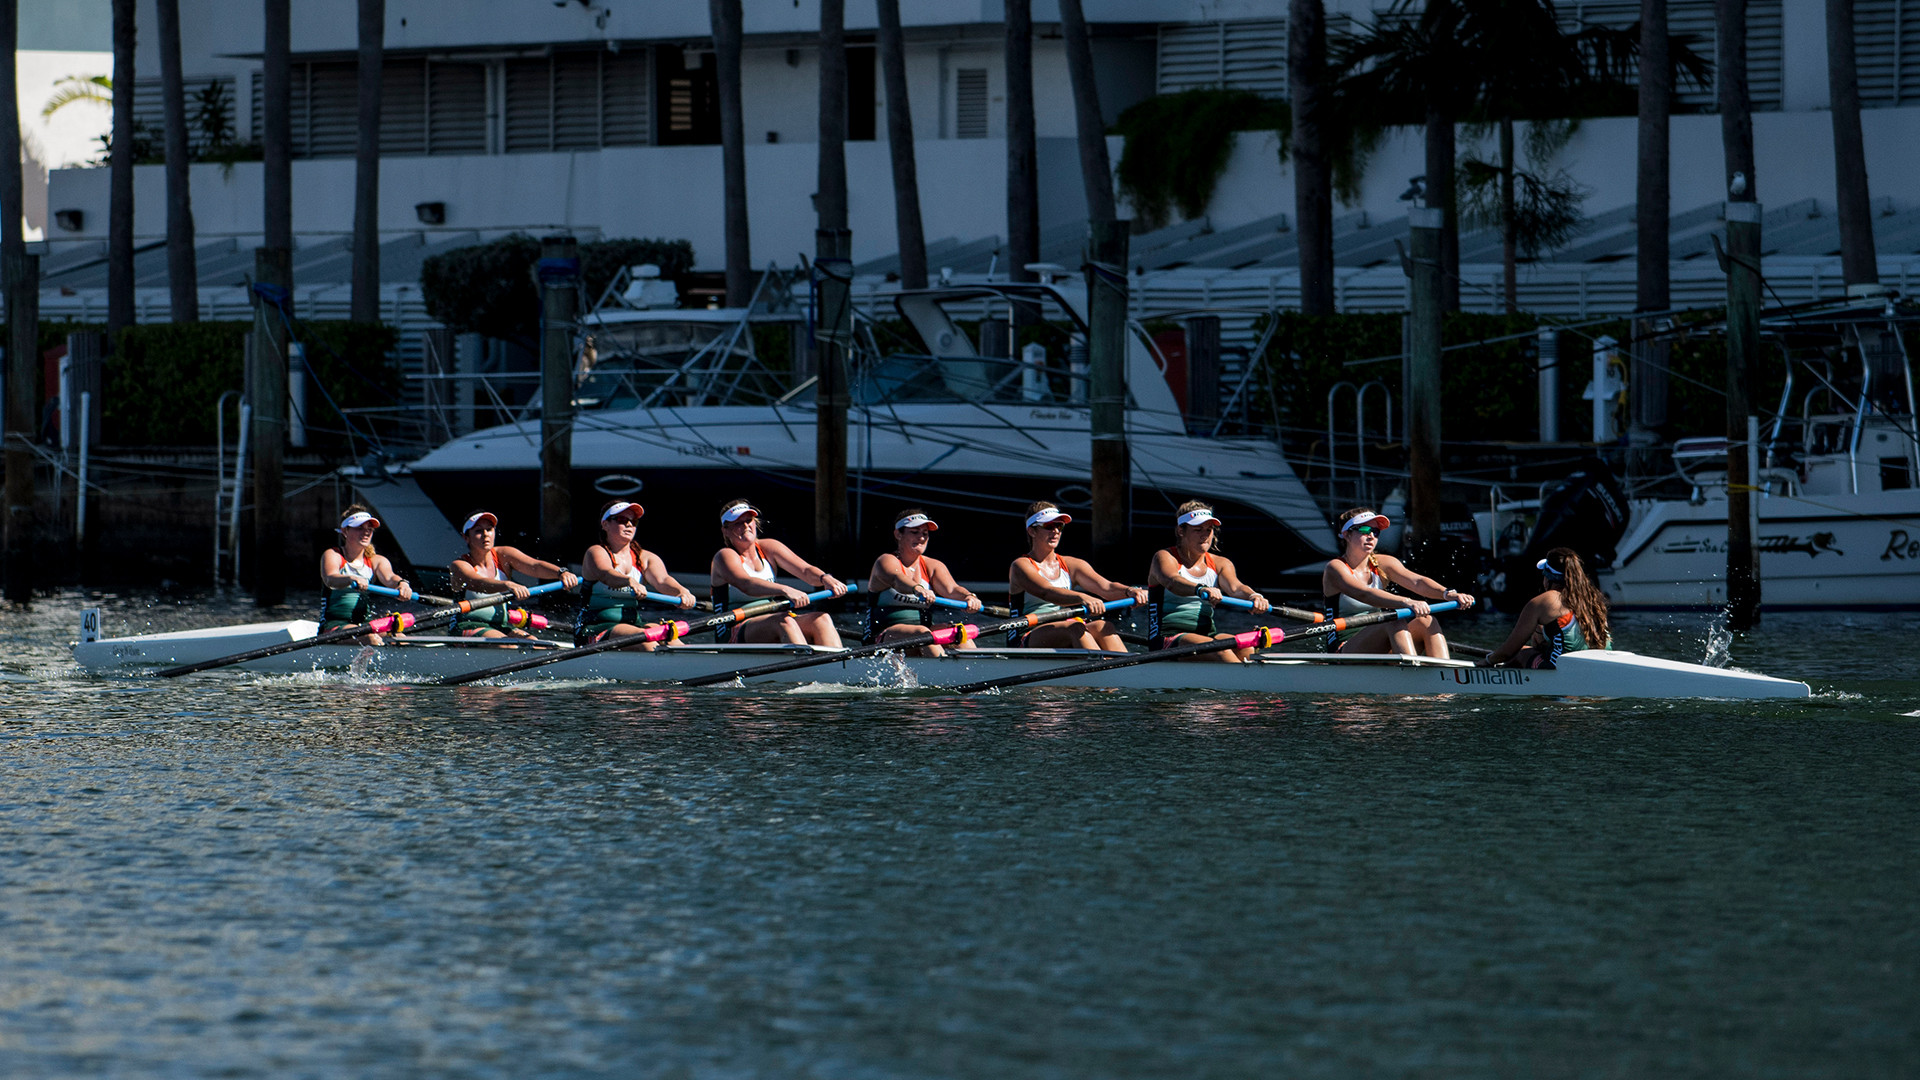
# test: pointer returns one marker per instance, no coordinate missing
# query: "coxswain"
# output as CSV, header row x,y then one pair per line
x,y
1186,582
346,570
907,579
484,569
1356,582
1045,578
1569,615
618,573
748,563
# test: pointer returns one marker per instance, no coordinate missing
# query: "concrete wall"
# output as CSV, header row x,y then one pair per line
x,y
1794,152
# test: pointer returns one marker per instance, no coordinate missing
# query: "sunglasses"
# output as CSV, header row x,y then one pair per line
x,y
1051,526
1362,530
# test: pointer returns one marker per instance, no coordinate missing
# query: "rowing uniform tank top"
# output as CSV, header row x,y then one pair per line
x,y
1342,606
347,607
722,596
494,617
891,607
1022,604
1564,636
604,607
1176,614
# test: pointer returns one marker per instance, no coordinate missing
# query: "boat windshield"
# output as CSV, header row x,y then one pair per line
x,y
667,362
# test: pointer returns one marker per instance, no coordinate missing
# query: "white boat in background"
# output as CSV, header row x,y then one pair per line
x,y
1838,473
1583,675
676,409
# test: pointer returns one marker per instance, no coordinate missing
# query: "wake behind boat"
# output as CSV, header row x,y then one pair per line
x,y
1597,674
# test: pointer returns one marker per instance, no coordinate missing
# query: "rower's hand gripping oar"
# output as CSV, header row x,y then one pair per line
x,y
946,635
662,631
383,625
1263,638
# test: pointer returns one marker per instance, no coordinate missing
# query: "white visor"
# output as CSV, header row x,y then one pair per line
x,y
1050,514
1548,567
734,513
1196,517
359,518
1366,519
477,519
619,508
914,521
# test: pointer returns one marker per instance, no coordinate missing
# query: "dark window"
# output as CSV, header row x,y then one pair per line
x,y
970,103
862,101
689,90
1895,474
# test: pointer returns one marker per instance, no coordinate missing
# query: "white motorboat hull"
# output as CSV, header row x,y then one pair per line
x,y
1828,551
1589,674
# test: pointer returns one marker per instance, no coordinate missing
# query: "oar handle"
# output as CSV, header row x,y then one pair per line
x,y
961,605
947,635
662,631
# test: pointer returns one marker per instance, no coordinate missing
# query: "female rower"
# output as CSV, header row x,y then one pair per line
x,y
1569,615
618,572
483,571
908,573
748,563
1190,580
1043,577
348,568
1356,583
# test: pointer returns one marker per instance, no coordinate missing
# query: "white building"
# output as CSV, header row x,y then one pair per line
x,y
598,116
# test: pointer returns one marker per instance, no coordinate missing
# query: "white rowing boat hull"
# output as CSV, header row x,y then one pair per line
x,y
1588,674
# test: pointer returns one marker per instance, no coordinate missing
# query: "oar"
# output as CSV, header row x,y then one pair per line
x,y
946,635
959,605
1263,638
384,624
661,631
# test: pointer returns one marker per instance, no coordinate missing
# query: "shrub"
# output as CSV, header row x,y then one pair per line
x,y
490,288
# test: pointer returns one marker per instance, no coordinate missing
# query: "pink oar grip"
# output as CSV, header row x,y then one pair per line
x,y
950,634
523,618
1263,638
391,624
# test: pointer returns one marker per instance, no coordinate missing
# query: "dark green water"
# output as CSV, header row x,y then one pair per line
x,y
281,877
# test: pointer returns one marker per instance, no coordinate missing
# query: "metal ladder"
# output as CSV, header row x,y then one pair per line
x,y
228,489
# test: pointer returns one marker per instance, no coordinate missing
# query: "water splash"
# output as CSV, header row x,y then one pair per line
x,y
1719,643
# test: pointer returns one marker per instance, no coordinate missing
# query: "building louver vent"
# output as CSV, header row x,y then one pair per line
x,y
1242,55
1886,35
970,103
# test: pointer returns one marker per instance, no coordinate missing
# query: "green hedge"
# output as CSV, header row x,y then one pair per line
x,y
163,379
489,288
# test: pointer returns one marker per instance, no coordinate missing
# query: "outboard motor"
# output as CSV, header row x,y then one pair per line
x,y
1587,512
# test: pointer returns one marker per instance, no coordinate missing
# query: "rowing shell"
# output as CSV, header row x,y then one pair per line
x,y
1583,674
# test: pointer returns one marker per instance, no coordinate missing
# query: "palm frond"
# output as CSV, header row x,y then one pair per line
x,y
72,88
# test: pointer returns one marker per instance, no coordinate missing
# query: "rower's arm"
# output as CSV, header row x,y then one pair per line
x,y
943,583
789,560
383,574
1423,586
654,573
597,565
1090,580
1530,620
890,574
1034,585
332,571
1348,583
535,568
730,570
1164,571
1235,587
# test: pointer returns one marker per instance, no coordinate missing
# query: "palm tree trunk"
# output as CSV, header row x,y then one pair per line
x,y
832,205
1509,227
1858,262
1023,170
1653,204
365,303
1743,305
1440,196
183,284
18,268
120,178
1096,172
1312,167
911,234
13,237
728,29
276,135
